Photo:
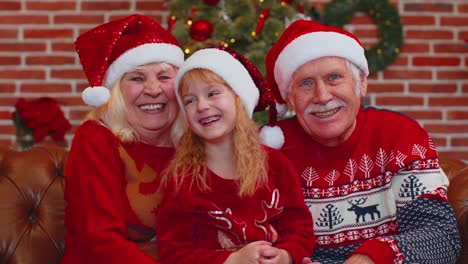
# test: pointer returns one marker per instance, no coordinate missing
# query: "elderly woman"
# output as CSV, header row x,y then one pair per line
x,y
118,153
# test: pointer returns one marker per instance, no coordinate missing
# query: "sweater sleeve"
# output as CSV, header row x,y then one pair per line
x,y
95,218
175,228
427,230
295,225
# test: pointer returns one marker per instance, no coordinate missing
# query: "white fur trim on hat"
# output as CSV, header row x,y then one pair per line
x,y
95,96
281,109
312,46
272,136
140,55
227,67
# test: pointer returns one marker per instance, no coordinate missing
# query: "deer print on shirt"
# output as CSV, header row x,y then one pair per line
x,y
362,211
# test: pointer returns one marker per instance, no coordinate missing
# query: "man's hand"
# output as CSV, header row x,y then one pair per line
x,y
359,259
308,261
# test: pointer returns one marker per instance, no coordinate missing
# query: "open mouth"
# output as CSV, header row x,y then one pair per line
x,y
327,114
210,119
151,107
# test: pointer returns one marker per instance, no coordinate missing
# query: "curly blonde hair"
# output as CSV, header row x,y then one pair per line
x,y
190,156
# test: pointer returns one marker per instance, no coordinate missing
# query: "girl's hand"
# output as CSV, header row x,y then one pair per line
x,y
359,259
272,255
249,254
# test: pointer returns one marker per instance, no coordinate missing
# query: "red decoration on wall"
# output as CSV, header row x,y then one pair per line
x,y
201,30
211,2
261,21
287,1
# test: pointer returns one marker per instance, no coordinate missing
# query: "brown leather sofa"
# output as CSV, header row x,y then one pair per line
x,y
32,204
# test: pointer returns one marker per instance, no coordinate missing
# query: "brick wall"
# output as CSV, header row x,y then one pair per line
x,y
428,81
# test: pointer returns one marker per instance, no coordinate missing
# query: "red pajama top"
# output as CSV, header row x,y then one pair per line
x,y
110,190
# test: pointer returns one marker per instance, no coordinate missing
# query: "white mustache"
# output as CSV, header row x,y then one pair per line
x,y
314,108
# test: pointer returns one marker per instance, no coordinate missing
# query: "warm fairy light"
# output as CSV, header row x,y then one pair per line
x,y
397,50
254,34
187,51
226,45
379,51
189,22
232,40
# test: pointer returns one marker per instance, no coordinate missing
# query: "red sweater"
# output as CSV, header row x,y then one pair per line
x,y
110,189
206,227
379,193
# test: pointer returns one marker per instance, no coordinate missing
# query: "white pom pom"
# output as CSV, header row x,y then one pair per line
x,y
96,96
282,109
272,136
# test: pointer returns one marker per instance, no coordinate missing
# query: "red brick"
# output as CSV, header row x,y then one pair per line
x,y
22,74
427,7
457,115
7,101
424,114
5,115
429,34
417,20
22,47
460,142
46,88
24,19
78,114
436,61
50,60
407,74
10,5
439,142
80,86
105,6
48,33
415,48
51,6
7,88
10,60
8,33
463,36
68,74
63,46
151,5
459,155
463,8
432,88
465,88
448,101
7,143
453,21
384,87
70,101
7,129
400,61
446,128
450,48
79,19
453,75
399,100
367,33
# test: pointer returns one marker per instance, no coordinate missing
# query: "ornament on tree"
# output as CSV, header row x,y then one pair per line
x,y
287,1
211,2
201,30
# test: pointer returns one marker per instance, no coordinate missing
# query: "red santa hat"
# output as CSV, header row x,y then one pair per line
x,y
109,50
304,41
241,74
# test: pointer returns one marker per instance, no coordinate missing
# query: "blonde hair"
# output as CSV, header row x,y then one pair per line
x,y
113,113
190,157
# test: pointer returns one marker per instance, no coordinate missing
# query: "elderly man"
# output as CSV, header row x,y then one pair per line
x,y
370,177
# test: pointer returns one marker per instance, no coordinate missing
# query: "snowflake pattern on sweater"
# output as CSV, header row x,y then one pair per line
x,y
358,191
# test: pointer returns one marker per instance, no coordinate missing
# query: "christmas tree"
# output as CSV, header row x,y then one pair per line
x,y
248,26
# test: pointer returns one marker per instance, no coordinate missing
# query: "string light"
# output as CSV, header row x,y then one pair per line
x,y
187,50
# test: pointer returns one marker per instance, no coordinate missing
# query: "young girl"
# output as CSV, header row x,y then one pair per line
x,y
228,199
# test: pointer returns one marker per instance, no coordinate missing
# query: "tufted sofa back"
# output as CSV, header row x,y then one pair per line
x,y
32,205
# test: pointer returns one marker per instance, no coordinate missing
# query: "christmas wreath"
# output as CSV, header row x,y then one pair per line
x,y
339,13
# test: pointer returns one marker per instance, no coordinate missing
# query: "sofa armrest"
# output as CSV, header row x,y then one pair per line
x,y
457,173
32,205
